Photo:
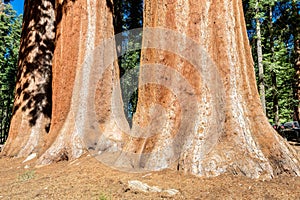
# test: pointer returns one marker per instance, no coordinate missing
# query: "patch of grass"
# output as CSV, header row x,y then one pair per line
x,y
26,175
103,196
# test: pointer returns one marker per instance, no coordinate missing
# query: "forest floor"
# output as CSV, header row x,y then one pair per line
x,y
87,178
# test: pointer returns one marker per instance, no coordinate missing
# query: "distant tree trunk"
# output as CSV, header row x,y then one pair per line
x,y
273,72
118,22
297,85
32,106
1,6
201,80
275,98
261,81
296,34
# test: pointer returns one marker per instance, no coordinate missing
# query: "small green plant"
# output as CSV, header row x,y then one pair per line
x,y
103,196
26,175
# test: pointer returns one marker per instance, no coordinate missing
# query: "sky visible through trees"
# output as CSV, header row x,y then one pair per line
x,y
18,5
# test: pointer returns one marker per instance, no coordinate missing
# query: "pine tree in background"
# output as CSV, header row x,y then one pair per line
x,y
295,30
128,18
278,27
10,31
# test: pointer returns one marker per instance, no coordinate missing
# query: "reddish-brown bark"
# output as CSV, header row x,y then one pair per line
x,y
77,87
229,131
32,107
198,108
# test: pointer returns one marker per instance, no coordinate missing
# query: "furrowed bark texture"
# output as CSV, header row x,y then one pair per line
x,y
32,107
85,80
198,104
217,124
82,92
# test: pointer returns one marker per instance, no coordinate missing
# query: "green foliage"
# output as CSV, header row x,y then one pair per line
x,y
278,63
26,176
10,31
278,35
129,79
103,196
130,17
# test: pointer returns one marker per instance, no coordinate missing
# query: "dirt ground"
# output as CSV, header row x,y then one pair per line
x,y
87,178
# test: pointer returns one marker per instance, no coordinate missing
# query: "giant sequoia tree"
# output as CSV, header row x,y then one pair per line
x,y
32,106
198,107
225,128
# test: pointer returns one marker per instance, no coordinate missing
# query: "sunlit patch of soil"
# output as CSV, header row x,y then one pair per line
x,y
87,178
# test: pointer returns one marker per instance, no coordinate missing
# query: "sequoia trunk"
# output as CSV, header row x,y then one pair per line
x,y
197,68
198,109
84,76
83,79
32,106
